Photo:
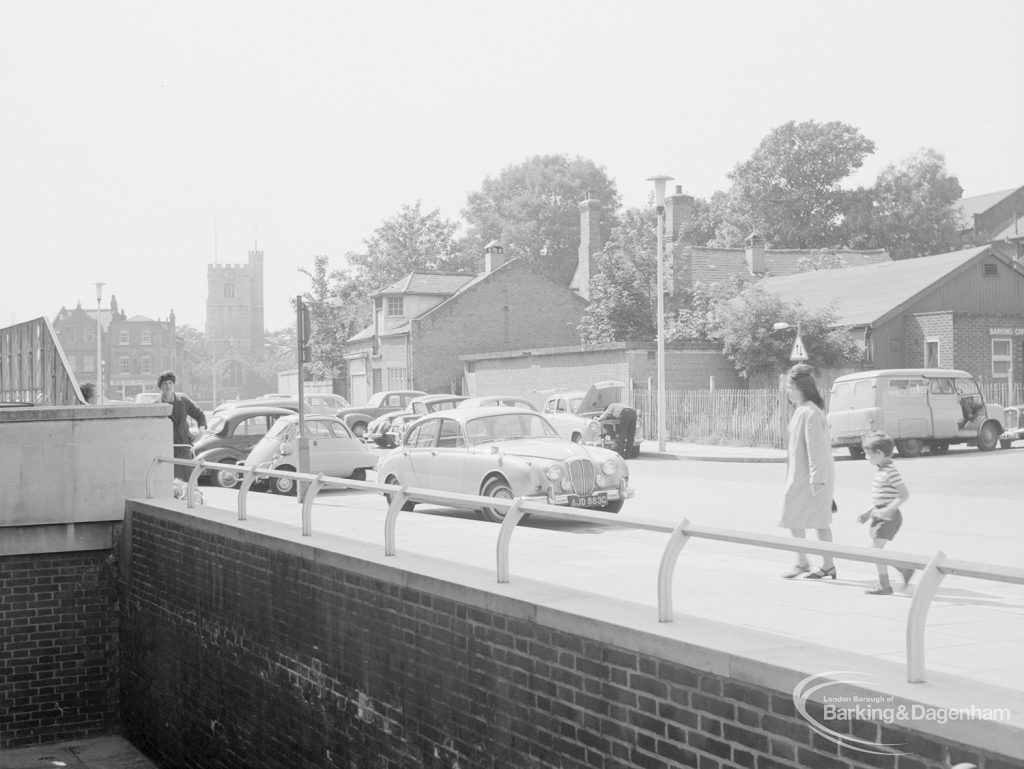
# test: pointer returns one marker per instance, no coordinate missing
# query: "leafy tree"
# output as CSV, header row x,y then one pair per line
x,y
332,325
788,190
749,340
623,294
532,209
408,241
910,211
699,312
279,354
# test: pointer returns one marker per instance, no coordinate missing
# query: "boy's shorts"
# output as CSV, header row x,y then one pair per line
x,y
886,529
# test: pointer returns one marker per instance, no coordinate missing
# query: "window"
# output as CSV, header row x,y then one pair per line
x,y
377,377
252,426
941,386
931,353
124,365
907,387
69,334
89,335
1002,358
229,290
450,436
396,378
123,338
396,305
147,336
425,435
147,364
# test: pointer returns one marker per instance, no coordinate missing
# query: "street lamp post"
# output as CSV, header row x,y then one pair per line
x,y
99,346
659,202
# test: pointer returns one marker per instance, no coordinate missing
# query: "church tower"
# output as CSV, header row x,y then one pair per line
x,y
234,323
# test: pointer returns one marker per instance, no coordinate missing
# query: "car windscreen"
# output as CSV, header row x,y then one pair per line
x,y
216,425
506,427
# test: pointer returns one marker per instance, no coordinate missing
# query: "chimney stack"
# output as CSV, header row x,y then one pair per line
x,y
678,214
590,246
494,256
755,254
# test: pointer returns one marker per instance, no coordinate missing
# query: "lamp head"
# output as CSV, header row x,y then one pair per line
x,y
659,189
99,292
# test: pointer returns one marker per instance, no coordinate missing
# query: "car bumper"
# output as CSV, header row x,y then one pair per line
x,y
566,500
1013,435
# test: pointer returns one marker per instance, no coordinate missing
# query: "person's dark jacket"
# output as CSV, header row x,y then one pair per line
x,y
181,408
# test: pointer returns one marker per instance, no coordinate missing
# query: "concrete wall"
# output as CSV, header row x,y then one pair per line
x,y
242,648
64,476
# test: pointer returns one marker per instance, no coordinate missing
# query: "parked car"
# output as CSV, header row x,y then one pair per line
x,y
919,407
506,453
1013,426
358,418
148,397
389,430
231,435
512,401
316,403
333,450
574,414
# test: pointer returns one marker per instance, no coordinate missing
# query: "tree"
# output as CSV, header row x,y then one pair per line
x,y
623,294
332,325
749,340
788,190
698,316
533,209
910,211
408,241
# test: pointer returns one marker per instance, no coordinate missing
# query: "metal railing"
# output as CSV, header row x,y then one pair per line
x,y
933,569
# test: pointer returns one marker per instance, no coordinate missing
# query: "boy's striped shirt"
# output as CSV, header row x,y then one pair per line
x,y
885,484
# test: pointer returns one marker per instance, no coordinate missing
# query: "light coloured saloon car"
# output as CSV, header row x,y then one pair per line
x,y
505,453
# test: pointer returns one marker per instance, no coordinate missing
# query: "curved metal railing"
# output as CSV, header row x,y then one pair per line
x,y
933,569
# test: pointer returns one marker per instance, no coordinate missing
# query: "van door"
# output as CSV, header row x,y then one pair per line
x,y
945,407
906,400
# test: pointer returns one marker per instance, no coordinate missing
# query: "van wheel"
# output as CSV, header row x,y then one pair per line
x,y
988,436
856,452
939,447
910,447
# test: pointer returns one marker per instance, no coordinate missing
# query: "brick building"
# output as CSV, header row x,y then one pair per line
x,y
135,349
424,322
962,310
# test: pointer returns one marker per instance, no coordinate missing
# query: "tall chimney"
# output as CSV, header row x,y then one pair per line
x,y
590,245
755,254
494,256
678,213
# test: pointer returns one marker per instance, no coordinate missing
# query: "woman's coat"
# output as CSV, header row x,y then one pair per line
x,y
809,461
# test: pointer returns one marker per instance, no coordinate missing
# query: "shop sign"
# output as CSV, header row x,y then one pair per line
x,y
1006,332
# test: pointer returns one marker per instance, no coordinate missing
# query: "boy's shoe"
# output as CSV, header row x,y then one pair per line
x,y
879,589
906,574
822,573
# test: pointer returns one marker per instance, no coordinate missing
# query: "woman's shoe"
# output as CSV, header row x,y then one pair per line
x,y
796,571
822,573
879,589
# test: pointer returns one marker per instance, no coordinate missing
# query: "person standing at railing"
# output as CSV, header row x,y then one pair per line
x,y
810,471
888,492
182,408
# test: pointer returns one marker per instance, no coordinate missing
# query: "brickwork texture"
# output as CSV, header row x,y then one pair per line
x,y
58,647
239,651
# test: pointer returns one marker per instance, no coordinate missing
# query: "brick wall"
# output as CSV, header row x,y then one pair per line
x,y
58,649
241,650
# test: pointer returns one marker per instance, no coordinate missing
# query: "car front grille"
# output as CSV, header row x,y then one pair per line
x,y
581,474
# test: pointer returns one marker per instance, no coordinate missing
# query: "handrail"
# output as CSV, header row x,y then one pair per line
x,y
932,569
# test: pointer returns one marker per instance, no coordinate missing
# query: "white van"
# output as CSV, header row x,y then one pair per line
x,y
919,407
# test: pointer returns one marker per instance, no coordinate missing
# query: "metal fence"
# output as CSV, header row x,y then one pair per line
x,y
732,417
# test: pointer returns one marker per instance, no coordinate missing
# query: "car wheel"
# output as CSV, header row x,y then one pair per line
x,y
499,489
359,429
856,452
988,436
285,486
359,474
613,507
227,479
939,447
910,447
393,481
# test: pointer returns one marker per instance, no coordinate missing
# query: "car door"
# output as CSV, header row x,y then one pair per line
x,y
445,468
417,453
322,447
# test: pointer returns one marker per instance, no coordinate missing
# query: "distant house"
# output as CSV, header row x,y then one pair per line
x,y
688,264
995,219
425,321
961,310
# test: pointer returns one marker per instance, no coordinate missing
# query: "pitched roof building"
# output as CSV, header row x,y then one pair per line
x,y
996,219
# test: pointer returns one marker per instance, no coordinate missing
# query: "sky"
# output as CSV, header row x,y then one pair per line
x,y
140,142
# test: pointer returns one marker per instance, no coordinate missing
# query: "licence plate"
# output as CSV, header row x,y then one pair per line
x,y
594,500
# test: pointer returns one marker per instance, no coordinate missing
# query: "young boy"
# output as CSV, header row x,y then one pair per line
x,y
888,492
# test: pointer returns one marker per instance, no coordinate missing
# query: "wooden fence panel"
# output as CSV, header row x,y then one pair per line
x,y
33,367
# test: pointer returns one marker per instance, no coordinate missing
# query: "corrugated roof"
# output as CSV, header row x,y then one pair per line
x,y
426,283
978,204
864,295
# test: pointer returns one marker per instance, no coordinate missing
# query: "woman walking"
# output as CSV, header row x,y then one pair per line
x,y
810,472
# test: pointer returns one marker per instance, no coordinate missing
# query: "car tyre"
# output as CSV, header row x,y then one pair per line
x,y
284,486
359,474
910,447
499,489
227,479
1005,444
613,507
393,481
988,436
856,452
939,447
359,429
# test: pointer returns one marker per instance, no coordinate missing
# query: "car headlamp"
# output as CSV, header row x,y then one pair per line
x,y
608,467
554,472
